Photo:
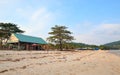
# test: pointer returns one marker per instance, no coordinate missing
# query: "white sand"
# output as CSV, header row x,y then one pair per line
x,y
59,63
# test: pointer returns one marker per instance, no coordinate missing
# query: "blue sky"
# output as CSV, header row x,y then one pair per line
x,y
91,21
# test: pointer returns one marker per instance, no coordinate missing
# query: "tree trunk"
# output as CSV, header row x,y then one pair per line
x,y
6,41
0,43
61,46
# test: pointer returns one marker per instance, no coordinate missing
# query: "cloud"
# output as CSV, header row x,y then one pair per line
x,y
35,20
104,33
109,29
37,17
39,21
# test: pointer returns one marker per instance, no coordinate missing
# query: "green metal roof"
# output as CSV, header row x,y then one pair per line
x,y
30,39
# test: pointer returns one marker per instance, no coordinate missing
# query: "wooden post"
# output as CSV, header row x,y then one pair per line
x,y
37,47
27,46
18,45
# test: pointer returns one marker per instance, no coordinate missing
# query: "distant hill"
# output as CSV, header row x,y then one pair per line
x,y
83,46
113,45
79,44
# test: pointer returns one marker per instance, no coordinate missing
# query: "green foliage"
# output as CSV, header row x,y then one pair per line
x,y
60,36
5,31
73,45
103,47
7,28
113,45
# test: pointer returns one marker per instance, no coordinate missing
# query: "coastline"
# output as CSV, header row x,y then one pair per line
x,y
116,52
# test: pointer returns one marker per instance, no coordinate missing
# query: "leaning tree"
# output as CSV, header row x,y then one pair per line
x,y
5,31
60,35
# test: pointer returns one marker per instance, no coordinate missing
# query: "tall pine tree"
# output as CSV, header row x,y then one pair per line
x,y
60,36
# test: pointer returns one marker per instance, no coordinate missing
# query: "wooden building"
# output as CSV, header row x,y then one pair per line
x,y
25,42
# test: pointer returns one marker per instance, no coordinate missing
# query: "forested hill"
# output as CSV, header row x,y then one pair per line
x,y
114,45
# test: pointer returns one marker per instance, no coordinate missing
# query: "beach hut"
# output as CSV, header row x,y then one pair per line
x,y
25,42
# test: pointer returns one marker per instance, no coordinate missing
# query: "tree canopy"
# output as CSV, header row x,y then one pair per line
x,y
6,29
60,35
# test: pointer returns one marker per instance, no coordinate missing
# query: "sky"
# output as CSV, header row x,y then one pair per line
x,y
91,21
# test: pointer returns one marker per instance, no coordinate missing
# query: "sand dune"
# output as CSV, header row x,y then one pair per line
x,y
59,63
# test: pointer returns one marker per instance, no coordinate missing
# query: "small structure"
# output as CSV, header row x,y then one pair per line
x,y
25,42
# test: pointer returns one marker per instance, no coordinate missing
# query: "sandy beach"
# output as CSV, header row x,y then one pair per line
x,y
59,63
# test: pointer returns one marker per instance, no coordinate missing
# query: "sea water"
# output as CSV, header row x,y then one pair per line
x,y
117,52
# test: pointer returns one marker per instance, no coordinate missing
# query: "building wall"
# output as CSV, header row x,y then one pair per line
x,y
13,39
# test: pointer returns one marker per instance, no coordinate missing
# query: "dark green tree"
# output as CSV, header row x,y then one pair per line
x,y
103,47
5,31
60,36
